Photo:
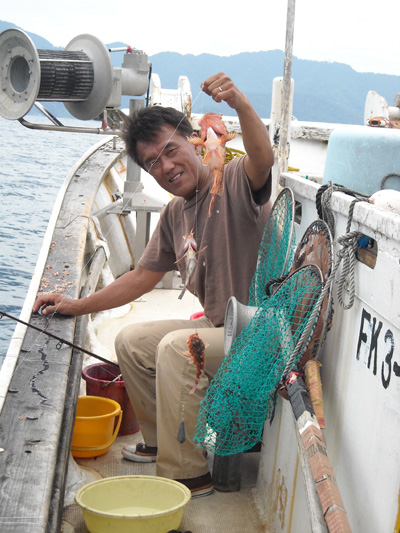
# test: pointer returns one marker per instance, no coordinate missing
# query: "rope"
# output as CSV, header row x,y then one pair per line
x,y
324,202
391,175
349,243
230,153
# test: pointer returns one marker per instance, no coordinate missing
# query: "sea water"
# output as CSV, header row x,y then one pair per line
x,y
33,166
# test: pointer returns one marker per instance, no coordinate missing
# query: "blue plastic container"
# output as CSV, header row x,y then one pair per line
x,y
358,157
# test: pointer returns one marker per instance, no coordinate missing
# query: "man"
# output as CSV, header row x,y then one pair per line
x,y
156,372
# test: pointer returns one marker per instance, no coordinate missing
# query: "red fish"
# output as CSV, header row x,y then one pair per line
x,y
214,143
211,120
197,357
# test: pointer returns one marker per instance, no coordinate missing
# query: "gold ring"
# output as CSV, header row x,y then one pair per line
x,y
220,90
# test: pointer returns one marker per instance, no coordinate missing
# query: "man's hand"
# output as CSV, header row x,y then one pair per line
x,y
259,155
221,88
50,302
123,290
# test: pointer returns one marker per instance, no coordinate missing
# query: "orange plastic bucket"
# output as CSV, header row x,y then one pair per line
x,y
95,429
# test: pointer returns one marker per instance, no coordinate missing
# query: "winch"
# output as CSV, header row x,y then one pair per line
x,y
81,76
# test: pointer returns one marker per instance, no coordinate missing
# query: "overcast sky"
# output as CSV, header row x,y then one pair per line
x,y
361,34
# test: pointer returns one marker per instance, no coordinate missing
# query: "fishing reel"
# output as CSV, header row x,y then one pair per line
x,y
82,76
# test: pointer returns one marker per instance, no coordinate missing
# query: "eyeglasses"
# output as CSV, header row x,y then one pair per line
x,y
153,165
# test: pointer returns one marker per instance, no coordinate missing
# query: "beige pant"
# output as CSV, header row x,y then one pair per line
x,y
158,378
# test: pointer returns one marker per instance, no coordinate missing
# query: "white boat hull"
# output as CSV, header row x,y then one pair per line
x,y
361,388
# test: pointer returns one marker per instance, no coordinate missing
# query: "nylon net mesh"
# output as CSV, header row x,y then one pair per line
x,y
316,247
276,248
240,397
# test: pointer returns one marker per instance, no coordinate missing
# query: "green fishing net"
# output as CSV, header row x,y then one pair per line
x,y
276,248
240,397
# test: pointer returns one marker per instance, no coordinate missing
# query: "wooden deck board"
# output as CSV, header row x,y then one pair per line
x,y
34,431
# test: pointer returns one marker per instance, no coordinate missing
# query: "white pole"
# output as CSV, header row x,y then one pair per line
x,y
286,100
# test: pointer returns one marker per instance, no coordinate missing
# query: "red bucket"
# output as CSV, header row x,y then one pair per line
x,y
98,377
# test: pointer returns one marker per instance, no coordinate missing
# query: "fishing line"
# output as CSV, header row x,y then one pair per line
x,y
60,339
181,436
195,223
195,226
172,134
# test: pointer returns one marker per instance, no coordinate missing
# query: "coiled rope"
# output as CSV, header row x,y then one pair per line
x,y
230,153
324,203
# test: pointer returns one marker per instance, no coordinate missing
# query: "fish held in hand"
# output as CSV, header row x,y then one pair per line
x,y
214,143
213,121
197,357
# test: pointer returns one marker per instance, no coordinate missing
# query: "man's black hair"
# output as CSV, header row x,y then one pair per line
x,y
145,124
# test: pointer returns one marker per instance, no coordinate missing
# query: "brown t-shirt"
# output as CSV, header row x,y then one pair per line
x,y
231,236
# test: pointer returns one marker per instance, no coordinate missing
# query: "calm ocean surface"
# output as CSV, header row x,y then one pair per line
x,y
33,166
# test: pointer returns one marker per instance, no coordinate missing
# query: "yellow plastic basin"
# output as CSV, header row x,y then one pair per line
x,y
95,429
133,504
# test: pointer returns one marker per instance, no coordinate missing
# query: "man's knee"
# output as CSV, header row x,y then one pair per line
x,y
128,338
172,345
120,340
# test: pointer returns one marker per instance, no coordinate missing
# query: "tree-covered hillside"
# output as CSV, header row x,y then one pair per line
x,y
323,91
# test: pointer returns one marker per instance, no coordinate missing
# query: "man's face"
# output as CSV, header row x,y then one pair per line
x,y
173,162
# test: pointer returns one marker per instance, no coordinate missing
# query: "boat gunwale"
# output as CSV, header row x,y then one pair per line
x,y
367,217
17,339
35,405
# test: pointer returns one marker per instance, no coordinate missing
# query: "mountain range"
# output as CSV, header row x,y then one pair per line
x,y
323,91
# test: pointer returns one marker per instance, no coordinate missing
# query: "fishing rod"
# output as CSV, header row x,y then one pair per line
x,y
63,341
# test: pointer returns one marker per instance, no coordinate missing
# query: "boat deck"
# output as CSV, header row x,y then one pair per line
x,y
233,512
